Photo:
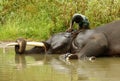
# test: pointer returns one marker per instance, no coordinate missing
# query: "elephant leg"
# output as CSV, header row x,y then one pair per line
x,y
95,46
69,56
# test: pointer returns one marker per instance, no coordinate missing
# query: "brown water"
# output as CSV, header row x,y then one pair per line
x,y
51,68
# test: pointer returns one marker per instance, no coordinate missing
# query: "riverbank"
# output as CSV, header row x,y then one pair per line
x,y
38,20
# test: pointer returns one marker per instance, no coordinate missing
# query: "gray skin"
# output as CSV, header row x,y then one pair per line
x,y
102,41
57,44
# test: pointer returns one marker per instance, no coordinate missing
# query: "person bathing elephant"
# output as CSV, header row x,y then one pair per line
x,y
81,20
101,41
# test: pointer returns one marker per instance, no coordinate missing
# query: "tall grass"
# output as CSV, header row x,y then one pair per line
x,y
39,19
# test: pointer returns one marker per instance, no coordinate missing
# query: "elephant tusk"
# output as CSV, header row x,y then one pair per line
x,y
36,44
12,44
28,43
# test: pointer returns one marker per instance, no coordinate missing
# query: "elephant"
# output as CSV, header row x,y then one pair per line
x,y
101,41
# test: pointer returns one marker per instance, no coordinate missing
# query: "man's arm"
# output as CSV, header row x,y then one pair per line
x,y
70,29
71,23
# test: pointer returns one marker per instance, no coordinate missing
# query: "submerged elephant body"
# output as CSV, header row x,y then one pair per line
x,y
112,34
102,41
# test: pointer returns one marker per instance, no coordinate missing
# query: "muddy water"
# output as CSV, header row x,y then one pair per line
x,y
51,68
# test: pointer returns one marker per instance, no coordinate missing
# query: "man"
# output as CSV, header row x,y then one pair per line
x,y
81,20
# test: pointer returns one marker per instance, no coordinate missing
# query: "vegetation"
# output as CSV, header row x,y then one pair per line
x,y
38,19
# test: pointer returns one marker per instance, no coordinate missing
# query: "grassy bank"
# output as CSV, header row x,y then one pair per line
x,y
38,19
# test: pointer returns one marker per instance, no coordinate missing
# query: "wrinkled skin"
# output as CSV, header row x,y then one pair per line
x,y
102,41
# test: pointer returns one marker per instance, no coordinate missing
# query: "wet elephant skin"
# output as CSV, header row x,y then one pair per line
x,y
101,41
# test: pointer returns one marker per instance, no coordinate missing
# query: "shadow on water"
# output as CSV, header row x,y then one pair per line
x,y
38,67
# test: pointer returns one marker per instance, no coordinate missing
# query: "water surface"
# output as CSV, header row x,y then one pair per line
x,y
40,67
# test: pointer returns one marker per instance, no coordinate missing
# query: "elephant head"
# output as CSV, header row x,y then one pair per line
x,y
56,44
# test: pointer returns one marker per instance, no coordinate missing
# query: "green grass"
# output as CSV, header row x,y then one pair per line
x,y
37,20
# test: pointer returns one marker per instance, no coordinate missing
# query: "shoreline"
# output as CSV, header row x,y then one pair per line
x,y
4,44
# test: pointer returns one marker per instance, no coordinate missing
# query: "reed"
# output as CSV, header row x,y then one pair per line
x,y
38,20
